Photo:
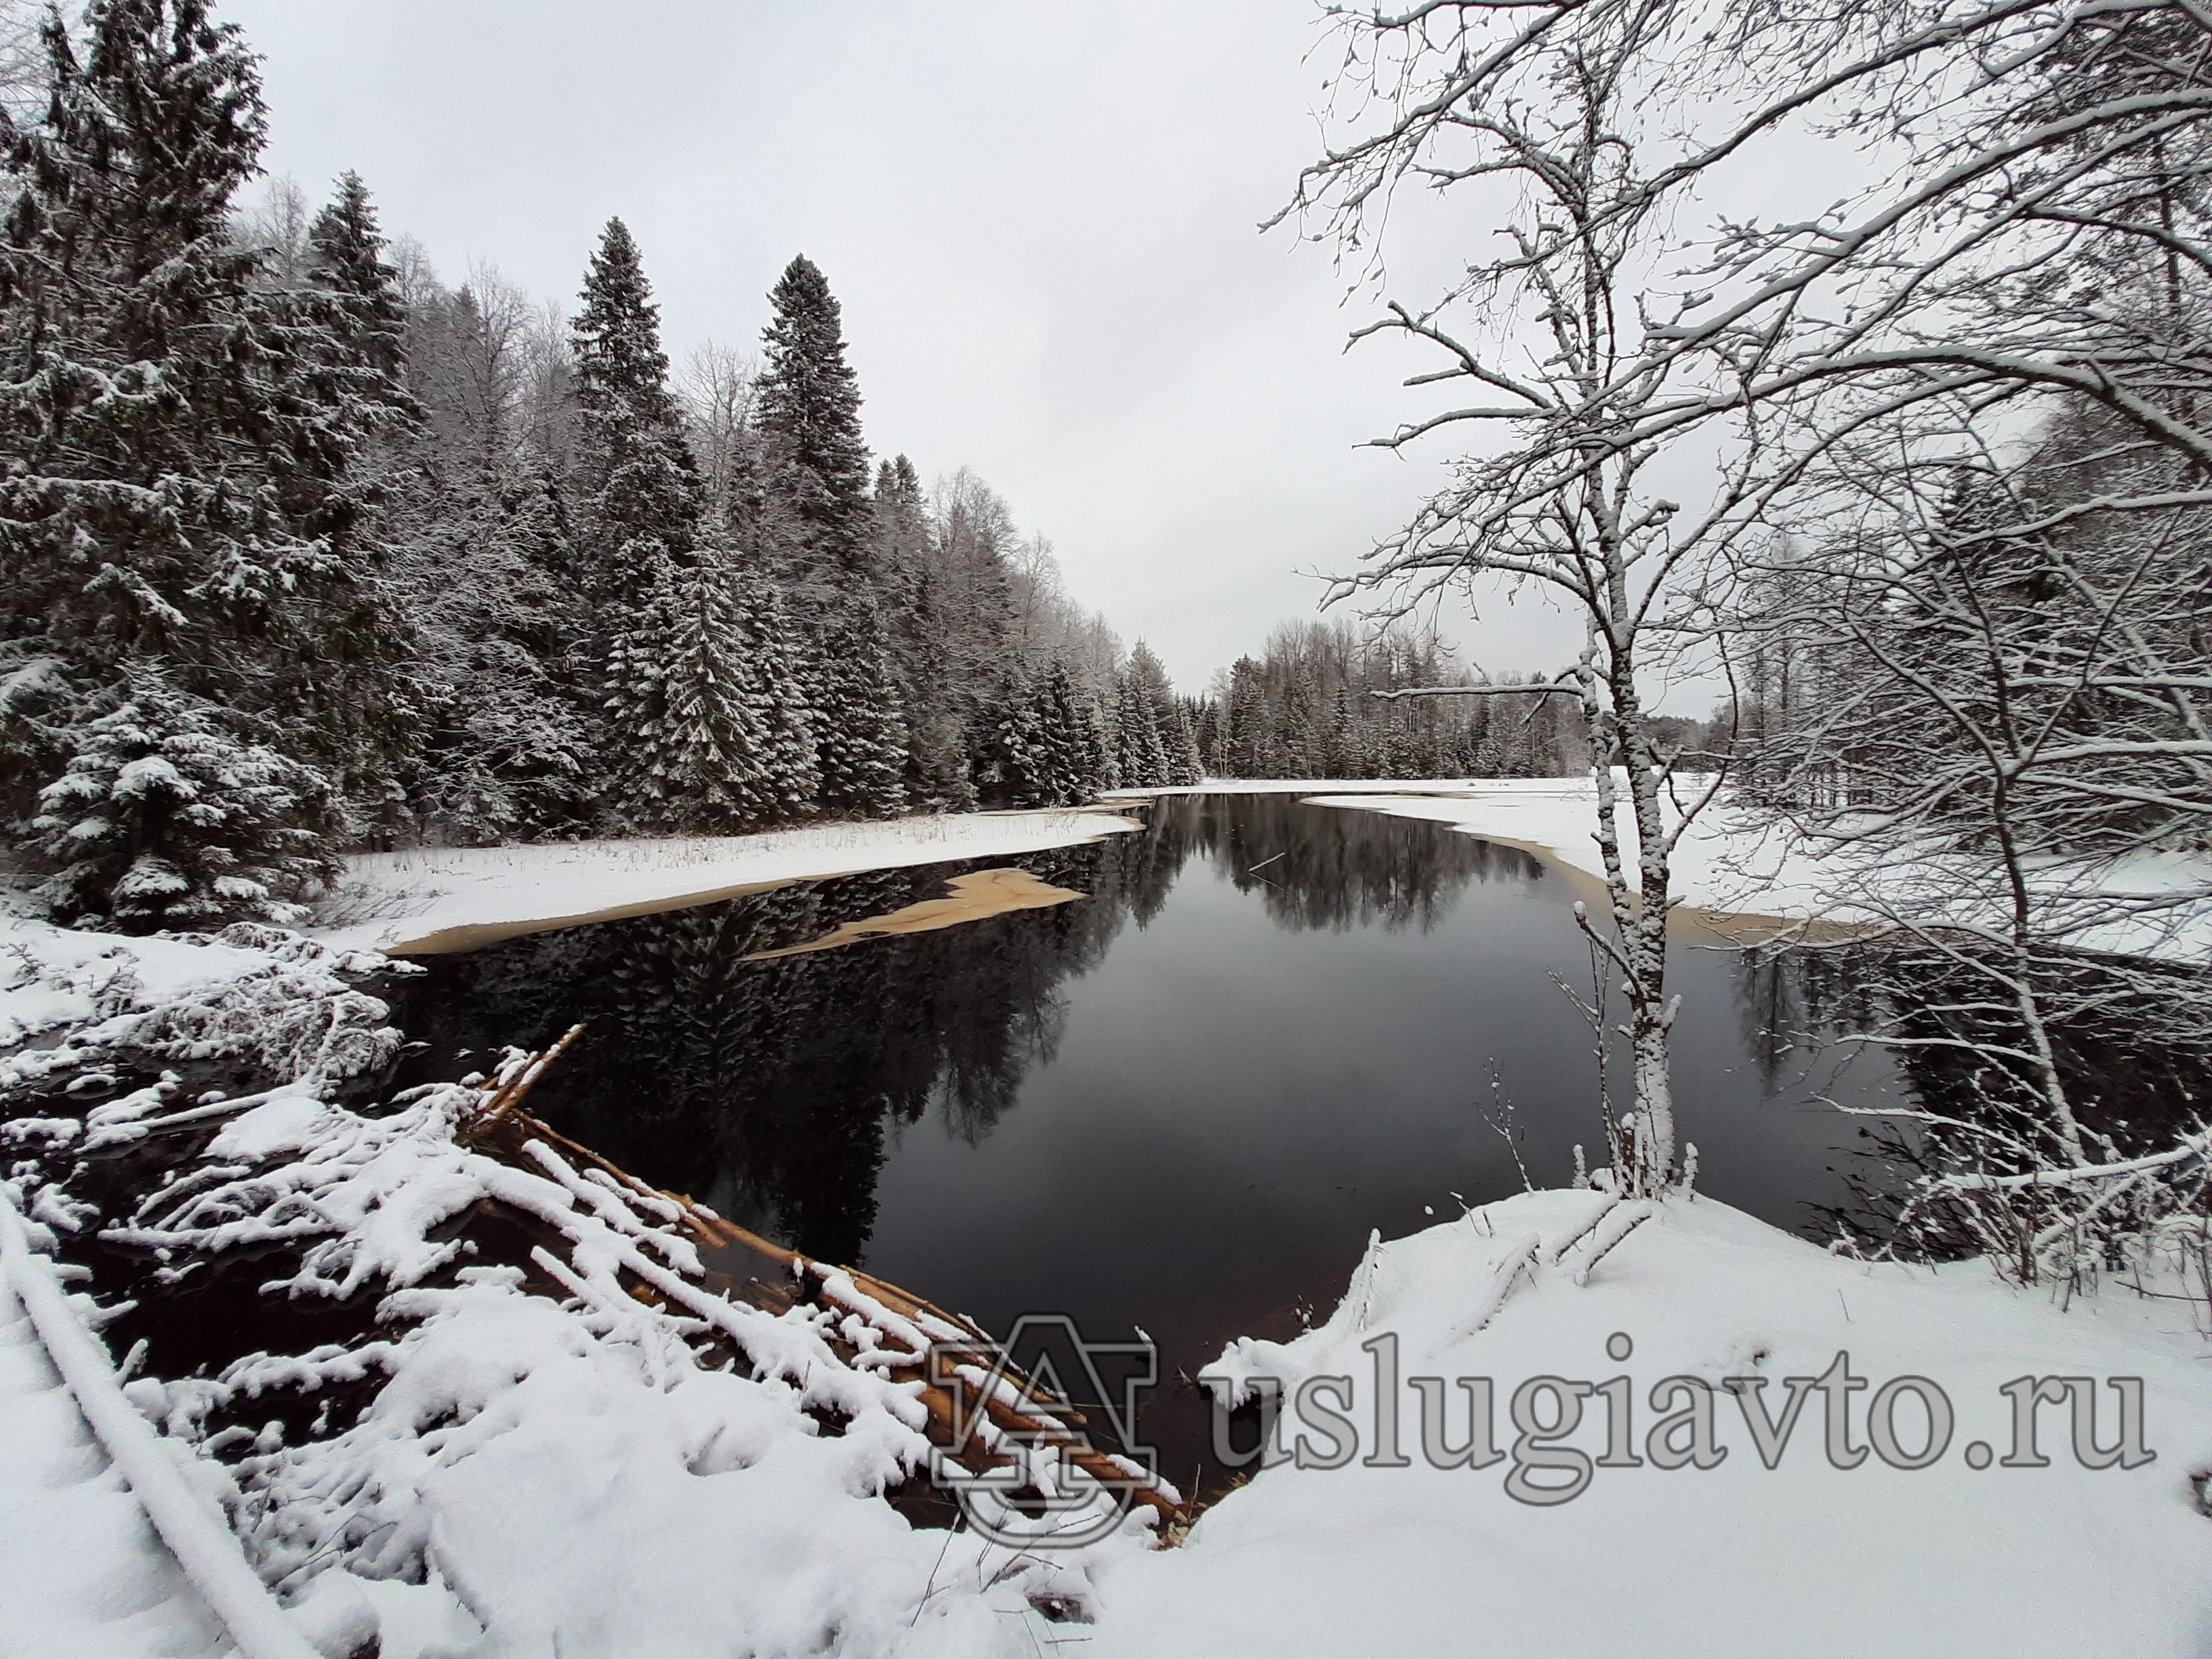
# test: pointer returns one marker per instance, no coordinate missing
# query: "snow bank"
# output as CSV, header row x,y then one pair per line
x,y
267,997
190,1525
81,1569
1734,1559
455,898
1727,863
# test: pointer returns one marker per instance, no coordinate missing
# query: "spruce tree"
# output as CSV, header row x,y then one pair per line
x,y
345,260
810,417
1066,773
637,468
166,818
707,745
936,765
1249,747
1185,770
1211,733
703,694
177,505
1102,767
783,681
1013,765
512,743
1144,762
859,728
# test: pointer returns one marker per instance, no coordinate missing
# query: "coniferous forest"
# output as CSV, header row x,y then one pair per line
x,y
304,548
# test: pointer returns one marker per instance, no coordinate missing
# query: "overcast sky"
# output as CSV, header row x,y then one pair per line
x,y
1040,220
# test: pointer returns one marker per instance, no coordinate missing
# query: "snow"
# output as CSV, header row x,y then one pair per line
x,y
453,898
82,1571
1727,863
258,995
193,1529
1805,1559
565,1473
537,1475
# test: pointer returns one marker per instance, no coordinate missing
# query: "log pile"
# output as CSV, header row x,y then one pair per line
x,y
903,1324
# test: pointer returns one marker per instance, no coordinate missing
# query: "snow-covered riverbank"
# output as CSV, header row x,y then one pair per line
x,y
1735,869
455,899
545,1472
1726,864
1806,1558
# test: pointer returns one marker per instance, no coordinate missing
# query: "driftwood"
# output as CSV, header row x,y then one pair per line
x,y
500,1129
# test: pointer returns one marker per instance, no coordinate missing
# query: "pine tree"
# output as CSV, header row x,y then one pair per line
x,y
810,417
860,733
166,818
176,503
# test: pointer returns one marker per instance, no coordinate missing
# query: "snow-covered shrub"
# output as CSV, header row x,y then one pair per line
x,y
165,817
267,998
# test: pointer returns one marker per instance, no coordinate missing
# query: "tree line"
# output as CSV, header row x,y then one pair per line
x,y
1309,706
304,549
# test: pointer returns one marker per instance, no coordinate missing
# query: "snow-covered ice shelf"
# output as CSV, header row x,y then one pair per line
x,y
432,899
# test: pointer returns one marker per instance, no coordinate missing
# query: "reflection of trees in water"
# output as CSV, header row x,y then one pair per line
x,y
1789,1002
1320,867
2135,1079
767,1084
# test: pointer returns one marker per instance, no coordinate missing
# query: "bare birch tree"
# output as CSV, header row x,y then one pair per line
x,y
1554,335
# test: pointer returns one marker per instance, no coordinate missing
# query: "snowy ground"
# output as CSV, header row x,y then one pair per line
x,y
455,898
81,1570
1806,1559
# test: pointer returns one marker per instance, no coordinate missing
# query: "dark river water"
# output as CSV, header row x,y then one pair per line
x,y
1180,1104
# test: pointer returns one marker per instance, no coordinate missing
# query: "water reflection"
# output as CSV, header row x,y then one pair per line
x,y
767,1086
2127,1039
1338,870
1182,1101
